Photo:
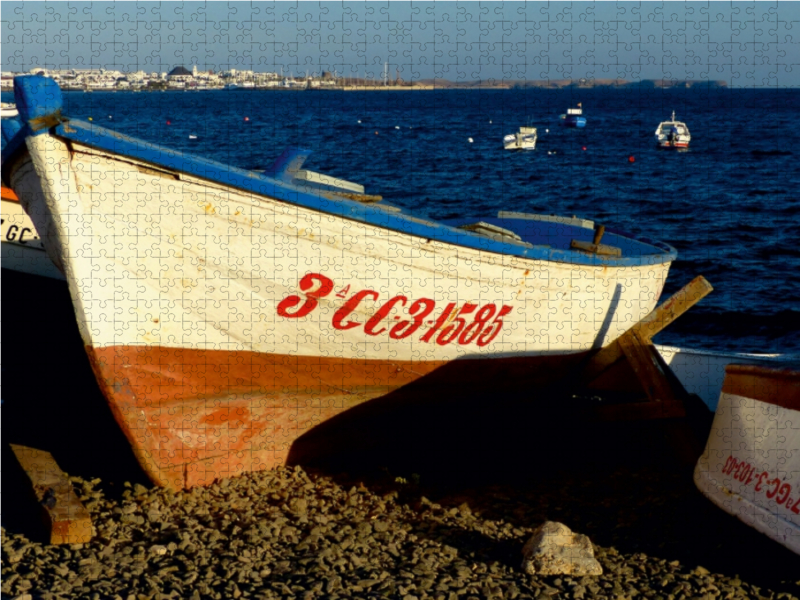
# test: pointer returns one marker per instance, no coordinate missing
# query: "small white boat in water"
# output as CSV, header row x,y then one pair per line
x,y
524,139
8,109
751,464
673,134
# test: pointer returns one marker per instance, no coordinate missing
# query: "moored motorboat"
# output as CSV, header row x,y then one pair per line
x,y
524,139
672,134
574,117
8,109
751,464
227,313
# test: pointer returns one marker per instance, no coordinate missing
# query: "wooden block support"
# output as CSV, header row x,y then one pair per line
x,y
68,520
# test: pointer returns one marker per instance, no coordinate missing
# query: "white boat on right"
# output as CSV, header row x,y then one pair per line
x,y
751,464
702,372
524,139
673,134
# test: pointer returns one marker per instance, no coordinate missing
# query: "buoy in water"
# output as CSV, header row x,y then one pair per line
x,y
376,133
247,118
583,148
547,131
397,127
90,118
631,158
169,123
192,137
469,140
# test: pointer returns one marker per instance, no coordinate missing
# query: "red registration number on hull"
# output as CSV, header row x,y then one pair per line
x,y
463,324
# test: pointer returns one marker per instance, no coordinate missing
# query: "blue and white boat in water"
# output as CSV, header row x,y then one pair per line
x,y
574,117
227,314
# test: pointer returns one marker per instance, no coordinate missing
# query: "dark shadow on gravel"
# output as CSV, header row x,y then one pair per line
x,y
51,400
524,461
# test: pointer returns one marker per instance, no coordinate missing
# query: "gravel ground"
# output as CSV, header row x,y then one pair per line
x,y
305,533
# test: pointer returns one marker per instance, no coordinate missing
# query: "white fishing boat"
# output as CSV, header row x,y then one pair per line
x,y
524,139
673,134
228,313
751,464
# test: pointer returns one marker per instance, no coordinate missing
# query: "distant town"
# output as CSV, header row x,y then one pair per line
x,y
181,78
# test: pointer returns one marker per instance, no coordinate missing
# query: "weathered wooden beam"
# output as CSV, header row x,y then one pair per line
x,y
601,249
68,520
641,355
650,325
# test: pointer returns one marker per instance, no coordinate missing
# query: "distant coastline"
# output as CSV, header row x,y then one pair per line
x,y
362,85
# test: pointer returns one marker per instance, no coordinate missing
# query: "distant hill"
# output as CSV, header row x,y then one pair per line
x,y
574,83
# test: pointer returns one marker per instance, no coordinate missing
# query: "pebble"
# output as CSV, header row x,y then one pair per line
x,y
292,534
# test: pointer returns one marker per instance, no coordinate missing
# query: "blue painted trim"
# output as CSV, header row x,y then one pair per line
x,y
97,137
14,134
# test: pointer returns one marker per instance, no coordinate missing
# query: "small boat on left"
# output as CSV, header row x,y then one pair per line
x,y
21,248
524,139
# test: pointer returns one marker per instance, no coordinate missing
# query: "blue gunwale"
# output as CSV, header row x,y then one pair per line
x,y
280,189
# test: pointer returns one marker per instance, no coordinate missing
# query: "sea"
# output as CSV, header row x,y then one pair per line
x,y
730,204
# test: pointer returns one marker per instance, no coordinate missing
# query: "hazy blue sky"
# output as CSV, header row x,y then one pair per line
x,y
745,44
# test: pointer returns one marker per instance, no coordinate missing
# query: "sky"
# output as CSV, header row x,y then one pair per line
x,y
745,44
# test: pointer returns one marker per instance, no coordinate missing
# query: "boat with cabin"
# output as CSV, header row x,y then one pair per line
x,y
229,314
672,134
751,465
524,139
574,117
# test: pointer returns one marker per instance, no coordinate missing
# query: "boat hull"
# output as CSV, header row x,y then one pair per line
x,y
667,145
750,465
513,142
570,121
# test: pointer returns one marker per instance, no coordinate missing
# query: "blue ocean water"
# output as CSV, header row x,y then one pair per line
x,y
730,204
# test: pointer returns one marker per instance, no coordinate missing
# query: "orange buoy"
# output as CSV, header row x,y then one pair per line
x,y
584,148
631,159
